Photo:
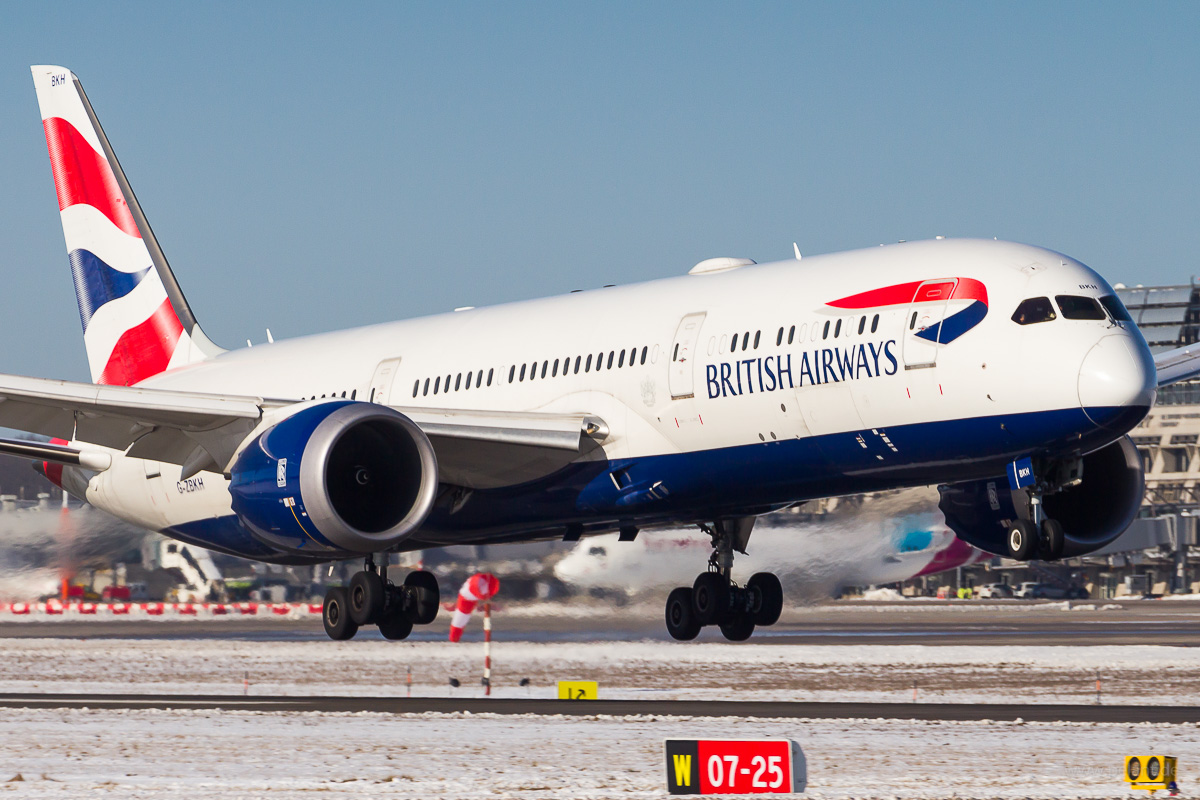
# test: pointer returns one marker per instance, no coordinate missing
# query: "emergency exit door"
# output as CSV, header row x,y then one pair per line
x,y
683,352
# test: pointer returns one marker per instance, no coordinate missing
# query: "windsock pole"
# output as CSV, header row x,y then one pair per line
x,y
487,649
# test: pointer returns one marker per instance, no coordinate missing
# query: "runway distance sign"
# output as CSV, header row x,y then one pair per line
x,y
729,766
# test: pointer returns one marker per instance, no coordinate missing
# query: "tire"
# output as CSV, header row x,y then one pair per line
x,y
396,626
710,597
771,593
739,628
366,597
428,596
681,615
1053,540
336,615
1022,541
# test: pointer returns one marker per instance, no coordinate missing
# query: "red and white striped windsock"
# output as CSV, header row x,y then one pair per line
x,y
480,586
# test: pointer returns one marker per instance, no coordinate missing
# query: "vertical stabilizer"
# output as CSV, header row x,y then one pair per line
x,y
136,321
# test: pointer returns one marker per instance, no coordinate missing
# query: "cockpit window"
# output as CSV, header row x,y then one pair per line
x,y
1075,307
1035,309
1116,309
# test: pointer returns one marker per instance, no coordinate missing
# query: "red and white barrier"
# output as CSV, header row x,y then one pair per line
x,y
479,587
197,610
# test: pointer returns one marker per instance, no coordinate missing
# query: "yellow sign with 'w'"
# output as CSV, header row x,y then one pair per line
x,y
683,770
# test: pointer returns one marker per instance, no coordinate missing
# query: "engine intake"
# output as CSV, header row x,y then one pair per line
x,y
1092,513
344,477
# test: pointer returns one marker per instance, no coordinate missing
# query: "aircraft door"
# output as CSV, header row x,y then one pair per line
x,y
381,381
921,328
683,352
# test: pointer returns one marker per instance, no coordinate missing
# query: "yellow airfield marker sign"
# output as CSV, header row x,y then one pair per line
x,y
578,690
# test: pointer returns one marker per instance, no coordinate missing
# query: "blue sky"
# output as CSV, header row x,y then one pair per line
x,y
308,167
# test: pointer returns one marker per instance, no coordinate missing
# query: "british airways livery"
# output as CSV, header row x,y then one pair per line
x,y
1008,375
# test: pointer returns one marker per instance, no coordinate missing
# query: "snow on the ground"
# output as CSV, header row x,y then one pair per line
x,y
641,669
284,756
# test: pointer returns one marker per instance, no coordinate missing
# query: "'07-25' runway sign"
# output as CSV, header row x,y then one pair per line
x,y
730,766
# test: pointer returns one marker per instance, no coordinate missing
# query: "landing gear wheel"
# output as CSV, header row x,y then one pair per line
x,y
770,593
1053,540
710,597
1021,542
681,615
738,628
366,597
396,625
336,615
428,597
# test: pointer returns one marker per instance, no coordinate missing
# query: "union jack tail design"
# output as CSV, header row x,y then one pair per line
x,y
136,322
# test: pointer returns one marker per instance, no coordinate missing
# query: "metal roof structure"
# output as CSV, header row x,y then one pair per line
x,y
1168,316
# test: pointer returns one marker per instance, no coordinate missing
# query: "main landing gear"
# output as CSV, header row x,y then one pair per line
x,y
714,599
1033,534
371,599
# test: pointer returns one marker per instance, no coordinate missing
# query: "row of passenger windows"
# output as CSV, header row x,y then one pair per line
x,y
614,359
618,359
438,387
820,330
1040,309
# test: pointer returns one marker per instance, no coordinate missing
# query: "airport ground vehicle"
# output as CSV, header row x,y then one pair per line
x,y
702,400
1034,590
993,591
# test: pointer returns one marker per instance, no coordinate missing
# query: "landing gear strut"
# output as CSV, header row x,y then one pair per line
x,y
714,599
372,599
1033,534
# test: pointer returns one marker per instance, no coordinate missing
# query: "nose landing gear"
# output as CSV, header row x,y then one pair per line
x,y
714,599
371,599
1033,534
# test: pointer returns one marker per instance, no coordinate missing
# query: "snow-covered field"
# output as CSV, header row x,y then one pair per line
x,y
287,756
646,669
215,754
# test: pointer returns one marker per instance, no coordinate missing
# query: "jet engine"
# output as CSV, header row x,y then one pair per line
x,y
1092,512
336,477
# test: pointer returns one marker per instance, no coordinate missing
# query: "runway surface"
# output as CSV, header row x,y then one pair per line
x,y
1008,623
959,712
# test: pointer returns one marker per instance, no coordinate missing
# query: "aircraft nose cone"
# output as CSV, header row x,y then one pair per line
x,y
1117,382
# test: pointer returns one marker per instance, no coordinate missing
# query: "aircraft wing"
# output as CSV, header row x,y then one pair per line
x,y
477,449
1177,365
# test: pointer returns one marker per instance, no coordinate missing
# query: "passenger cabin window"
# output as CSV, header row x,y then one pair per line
x,y
862,326
825,333
1074,307
1116,309
779,338
791,334
874,323
837,329
1033,310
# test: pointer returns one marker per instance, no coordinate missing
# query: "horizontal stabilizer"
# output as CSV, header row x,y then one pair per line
x,y
56,454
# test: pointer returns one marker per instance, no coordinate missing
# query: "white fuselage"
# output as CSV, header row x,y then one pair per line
x,y
864,404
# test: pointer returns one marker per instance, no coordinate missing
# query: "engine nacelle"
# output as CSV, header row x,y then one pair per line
x,y
1092,513
335,477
